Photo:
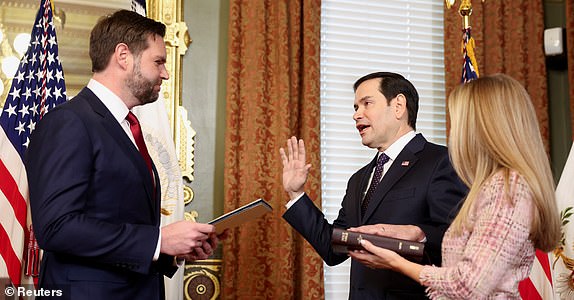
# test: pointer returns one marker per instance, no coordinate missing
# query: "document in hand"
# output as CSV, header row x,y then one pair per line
x,y
246,213
344,241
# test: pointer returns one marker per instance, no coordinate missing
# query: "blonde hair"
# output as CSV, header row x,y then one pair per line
x,y
494,128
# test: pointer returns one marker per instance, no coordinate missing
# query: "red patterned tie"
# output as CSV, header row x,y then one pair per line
x,y
381,161
138,137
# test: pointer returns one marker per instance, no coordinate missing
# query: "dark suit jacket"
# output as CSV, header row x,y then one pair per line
x,y
93,206
420,188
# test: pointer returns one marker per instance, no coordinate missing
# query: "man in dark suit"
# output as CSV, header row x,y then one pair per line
x,y
94,191
416,198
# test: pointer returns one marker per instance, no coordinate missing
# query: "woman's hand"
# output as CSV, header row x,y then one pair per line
x,y
379,258
375,257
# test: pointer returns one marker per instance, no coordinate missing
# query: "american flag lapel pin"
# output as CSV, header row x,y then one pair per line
x,y
405,163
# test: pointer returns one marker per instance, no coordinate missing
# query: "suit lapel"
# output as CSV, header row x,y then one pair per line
x,y
124,142
401,165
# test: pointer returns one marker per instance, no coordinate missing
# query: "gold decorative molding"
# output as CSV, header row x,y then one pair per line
x,y
191,216
177,42
201,281
185,144
201,278
187,195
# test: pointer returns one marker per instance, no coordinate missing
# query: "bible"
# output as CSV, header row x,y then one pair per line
x,y
344,241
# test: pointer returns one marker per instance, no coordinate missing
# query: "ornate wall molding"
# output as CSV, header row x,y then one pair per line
x,y
177,42
201,279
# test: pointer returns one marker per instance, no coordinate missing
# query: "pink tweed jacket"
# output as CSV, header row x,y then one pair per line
x,y
489,260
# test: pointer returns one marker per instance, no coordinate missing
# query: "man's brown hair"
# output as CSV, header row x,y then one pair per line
x,y
123,26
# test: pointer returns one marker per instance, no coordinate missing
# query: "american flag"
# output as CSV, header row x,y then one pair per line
x,y
139,6
37,87
470,66
538,285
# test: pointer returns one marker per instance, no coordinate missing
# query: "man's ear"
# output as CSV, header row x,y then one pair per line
x,y
400,108
122,55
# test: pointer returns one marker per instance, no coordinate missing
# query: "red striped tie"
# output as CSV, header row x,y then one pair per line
x,y
138,137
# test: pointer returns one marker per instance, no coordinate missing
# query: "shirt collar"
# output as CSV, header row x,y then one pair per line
x,y
393,151
112,102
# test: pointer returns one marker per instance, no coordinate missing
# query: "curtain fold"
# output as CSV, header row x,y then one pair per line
x,y
509,39
570,55
272,94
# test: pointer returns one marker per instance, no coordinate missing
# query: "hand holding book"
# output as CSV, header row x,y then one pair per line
x,y
344,241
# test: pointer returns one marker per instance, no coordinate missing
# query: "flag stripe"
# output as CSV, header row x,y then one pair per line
x,y
13,162
9,188
539,276
10,258
528,290
13,229
543,259
3,268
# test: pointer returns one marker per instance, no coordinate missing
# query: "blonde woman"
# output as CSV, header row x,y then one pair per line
x,y
496,149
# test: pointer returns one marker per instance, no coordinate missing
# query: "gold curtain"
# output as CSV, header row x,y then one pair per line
x,y
509,39
272,94
570,48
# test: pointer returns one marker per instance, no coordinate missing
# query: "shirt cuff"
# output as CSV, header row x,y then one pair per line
x,y
292,201
157,248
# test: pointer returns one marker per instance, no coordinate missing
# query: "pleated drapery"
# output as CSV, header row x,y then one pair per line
x,y
272,94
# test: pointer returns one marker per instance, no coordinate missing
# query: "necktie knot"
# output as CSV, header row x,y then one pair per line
x,y
133,120
382,160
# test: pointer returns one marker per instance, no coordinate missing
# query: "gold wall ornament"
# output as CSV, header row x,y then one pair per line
x,y
187,195
201,281
191,216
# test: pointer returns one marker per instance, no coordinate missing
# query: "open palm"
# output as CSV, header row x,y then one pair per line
x,y
295,171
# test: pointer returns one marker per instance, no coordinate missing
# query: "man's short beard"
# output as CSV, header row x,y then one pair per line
x,y
141,88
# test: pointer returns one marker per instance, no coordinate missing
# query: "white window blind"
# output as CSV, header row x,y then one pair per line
x,y
359,37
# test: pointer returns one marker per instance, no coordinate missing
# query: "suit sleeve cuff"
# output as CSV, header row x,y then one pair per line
x,y
292,201
157,248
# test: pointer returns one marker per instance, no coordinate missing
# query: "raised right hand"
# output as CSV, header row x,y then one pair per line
x,y
295,171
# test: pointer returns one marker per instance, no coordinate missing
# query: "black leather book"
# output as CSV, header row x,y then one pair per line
x,y
344,241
